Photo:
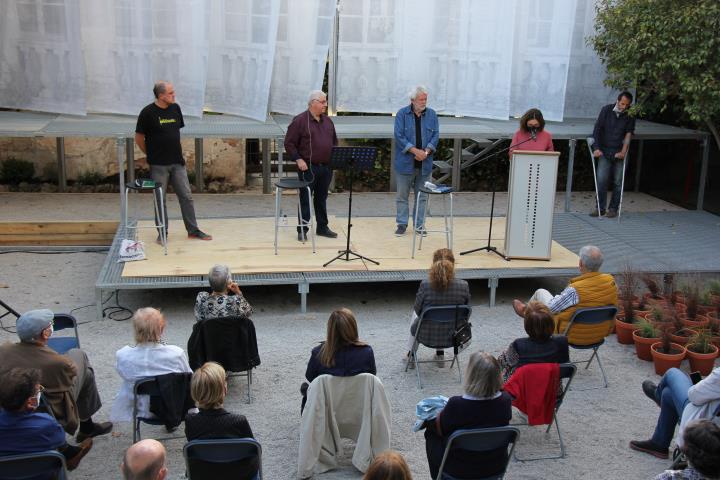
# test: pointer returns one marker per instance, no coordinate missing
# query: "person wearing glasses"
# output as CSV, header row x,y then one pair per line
x,y
23,429
69,379
309,141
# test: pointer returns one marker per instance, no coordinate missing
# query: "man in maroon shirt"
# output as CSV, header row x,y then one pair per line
x,y
309,141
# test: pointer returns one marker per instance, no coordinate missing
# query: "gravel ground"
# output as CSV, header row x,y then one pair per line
x,y
596,424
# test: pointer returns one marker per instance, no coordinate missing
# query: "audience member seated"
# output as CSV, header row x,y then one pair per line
x,y
69,380
483,405
678,399
22,429
540,346
220,303
144,460
342,353
149,357
701,447
388,465
209,388
590,289
440,288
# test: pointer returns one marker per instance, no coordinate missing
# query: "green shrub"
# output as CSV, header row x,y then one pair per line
x,y
90,178
15,171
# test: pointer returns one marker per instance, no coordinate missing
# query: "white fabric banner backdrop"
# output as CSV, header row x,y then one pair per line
x,y
242,35
480,58
130,44
41,62
585,93
541,55
303,38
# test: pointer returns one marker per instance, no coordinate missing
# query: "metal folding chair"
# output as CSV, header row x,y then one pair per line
x,y
59,343
567,373
481,440
591,316
49,464
146,386
436,329
206,459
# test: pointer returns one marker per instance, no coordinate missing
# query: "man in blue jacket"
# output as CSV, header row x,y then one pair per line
x,y
416,139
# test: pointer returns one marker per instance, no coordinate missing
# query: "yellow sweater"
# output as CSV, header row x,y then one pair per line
x,y
594,289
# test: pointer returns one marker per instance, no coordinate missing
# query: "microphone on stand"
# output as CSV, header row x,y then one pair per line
x,y
533,133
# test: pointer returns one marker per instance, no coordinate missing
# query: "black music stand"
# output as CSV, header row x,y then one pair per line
x,y
489,247
351,159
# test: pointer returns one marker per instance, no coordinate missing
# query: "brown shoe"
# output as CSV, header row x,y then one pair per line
x,y
519,307
648,446
85,446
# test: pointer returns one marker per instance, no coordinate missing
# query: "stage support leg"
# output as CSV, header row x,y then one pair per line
x,y
492,285
98,303
62,174
266,166
303,290
199,180
638,168
570,168
703,173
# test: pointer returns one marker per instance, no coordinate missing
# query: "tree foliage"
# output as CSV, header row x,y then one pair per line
x,y
668,50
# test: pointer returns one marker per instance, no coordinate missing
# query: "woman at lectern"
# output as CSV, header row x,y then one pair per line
x,y
532,135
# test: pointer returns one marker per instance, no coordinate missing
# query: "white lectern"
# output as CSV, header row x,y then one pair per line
x,y
531,203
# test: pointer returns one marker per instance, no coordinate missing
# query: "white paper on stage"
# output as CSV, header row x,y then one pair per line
x,y
303,38
585,93
531,204
541,55
41,63
242,37
130,44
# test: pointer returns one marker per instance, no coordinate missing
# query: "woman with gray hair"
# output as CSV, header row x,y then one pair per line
x,y
219,303
483,405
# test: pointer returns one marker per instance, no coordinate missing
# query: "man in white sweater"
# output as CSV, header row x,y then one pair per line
x,y
678,399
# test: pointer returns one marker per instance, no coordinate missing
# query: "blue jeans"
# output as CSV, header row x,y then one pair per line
x,y
403,183
672,393
607,164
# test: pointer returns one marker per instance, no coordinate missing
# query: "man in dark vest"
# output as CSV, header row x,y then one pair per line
x,y
611,136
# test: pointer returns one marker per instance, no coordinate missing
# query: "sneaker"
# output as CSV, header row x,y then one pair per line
x,y
325,232
400,230
648,446
594,213
611,213
421,231
650,389
200,235
302,236
73,462
98,429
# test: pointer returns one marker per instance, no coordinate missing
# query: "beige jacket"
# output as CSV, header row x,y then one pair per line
x,y
343,407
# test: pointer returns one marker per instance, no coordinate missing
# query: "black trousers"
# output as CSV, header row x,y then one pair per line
x,y
321,177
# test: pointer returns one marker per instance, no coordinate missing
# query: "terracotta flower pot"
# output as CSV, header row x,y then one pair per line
x,y
702,362
665,361
681,339
624,331
705,309
715,340
699,321
642,346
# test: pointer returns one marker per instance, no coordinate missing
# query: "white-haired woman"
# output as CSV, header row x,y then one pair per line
x,y
483,405
219,302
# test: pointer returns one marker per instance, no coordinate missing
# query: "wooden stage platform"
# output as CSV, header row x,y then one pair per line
x,y
683,242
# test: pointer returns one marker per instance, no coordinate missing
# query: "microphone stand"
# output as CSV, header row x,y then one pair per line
x,y
488,247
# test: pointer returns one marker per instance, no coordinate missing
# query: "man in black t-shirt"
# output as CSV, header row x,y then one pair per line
x,y
158,135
